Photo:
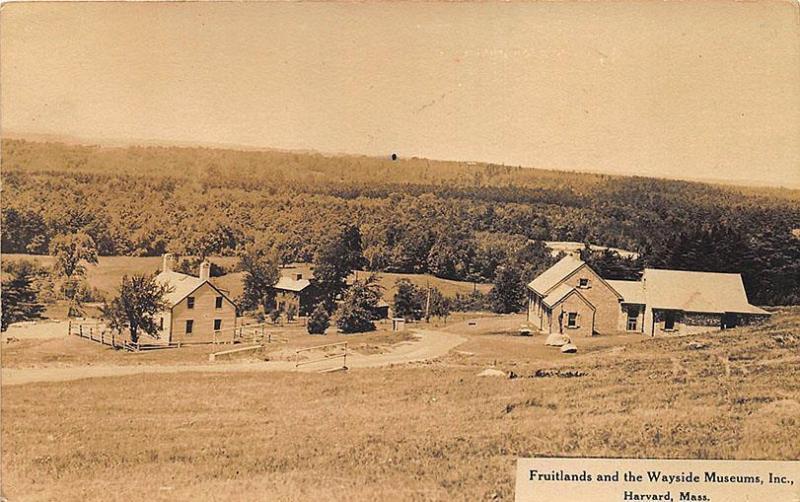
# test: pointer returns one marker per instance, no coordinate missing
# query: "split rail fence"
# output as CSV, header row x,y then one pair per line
x,y
338,350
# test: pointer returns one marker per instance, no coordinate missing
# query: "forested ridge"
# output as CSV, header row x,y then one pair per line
x,y
455,220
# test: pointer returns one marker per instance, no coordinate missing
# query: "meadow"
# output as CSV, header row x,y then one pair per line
x,y
425,431
107,274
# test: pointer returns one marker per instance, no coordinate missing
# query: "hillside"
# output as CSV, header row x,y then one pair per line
x,y
433,431
454,220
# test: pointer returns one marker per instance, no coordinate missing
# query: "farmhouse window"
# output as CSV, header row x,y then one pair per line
x,y
583,282
218,303
190,302
632,318
669,320
160,323
217,324
572,320
189,326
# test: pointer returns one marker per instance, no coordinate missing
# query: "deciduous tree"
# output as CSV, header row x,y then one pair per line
x,y
338,254
140,298
71,251
261,273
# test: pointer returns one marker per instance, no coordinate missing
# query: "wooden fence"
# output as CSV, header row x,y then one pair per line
x,y
255,334
98,331
340,351
213,357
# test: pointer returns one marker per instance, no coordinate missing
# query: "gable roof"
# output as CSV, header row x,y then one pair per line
x,y
563,292
183,285
562,270
289,284
555,274
631,291
711,292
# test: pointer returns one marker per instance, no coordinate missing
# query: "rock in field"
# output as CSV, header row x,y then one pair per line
x,y
492,372
556,340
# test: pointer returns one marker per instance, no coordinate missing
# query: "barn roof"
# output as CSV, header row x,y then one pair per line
x,y
555,274
631,291
711,292
182,285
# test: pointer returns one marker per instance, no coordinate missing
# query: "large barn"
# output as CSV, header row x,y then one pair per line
x,y
198,311
571,298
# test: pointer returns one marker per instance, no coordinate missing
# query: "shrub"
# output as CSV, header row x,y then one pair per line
x,y
274,316
291,312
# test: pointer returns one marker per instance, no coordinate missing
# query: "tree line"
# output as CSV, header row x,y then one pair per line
x,y
452,220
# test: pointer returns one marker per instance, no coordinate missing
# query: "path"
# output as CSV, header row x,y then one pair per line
x,y
428,345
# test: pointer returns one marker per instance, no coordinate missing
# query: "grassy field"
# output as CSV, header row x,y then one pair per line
x,y
20,351
432,431
107,274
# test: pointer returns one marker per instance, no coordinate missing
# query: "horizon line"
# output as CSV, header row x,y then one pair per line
x,y
70,139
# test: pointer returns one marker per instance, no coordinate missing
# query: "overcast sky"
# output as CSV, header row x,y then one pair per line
x,y
707,90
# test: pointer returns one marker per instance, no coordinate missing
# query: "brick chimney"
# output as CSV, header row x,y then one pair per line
x,y
167,262
205,271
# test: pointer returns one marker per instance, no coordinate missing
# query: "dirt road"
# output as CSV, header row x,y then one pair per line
x,y
427,345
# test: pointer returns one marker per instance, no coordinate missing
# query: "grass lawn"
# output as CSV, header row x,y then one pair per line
x,y
432,431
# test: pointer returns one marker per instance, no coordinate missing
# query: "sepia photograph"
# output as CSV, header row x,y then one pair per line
x,y
401,251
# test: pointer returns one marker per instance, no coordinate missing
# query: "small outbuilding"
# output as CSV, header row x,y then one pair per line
x,y
297,291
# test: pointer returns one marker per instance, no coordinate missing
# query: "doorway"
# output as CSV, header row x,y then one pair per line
x,y
669,320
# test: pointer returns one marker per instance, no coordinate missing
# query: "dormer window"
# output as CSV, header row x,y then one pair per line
x,y
583,282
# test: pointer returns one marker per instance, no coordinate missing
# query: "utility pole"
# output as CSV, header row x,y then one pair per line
x,y
428,304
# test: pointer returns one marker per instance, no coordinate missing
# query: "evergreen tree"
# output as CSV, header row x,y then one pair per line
x,y
19,300
508,294
319,320
358,305
409,300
